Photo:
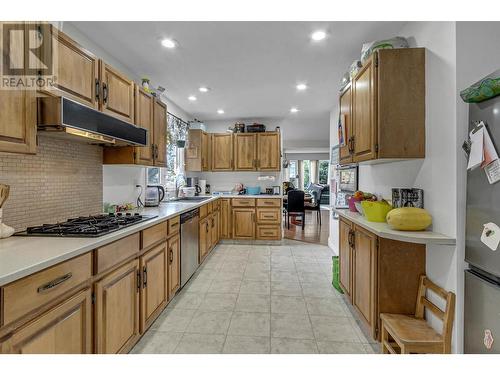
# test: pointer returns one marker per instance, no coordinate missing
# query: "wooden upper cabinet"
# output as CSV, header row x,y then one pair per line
x,y
364,274
154,295
388,106
174,265
117,93
64,329
197,151
364,112
268,151
17,110
245,151
243,223
205,151
117,309
345,114
144,119
160,133
345,257
222,152
77,70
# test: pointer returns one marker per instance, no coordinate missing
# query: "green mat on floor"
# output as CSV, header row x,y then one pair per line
x,y
335,271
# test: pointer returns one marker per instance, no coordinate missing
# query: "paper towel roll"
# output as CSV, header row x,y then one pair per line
x,y
203,185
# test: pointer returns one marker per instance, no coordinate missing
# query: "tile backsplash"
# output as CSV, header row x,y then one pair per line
x,y
63,180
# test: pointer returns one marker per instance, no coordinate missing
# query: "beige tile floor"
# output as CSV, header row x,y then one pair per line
x,y
259,299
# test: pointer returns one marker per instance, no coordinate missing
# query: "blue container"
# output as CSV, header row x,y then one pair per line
x,y
253,190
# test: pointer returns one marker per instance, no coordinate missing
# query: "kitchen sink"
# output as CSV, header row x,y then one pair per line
x,y
191,199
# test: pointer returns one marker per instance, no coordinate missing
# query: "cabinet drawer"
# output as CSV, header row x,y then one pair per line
x,y
210,207
268,232
268,215
216,205
109,255
243,202
174,225
269,202
32,292
154,234
203,211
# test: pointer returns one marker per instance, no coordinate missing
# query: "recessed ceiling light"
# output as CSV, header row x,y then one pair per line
x,y
220,111
318,35
204,89
294,110
192,98
168,43
301,86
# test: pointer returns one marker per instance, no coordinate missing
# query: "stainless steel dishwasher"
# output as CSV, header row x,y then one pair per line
x,y
189,244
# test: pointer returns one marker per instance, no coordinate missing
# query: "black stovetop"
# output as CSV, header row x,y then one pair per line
x,y
89,226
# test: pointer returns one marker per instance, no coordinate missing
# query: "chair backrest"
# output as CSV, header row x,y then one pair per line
x,y
446,316
295,201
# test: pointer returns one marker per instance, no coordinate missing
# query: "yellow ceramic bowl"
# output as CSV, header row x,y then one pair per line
x,y
376,211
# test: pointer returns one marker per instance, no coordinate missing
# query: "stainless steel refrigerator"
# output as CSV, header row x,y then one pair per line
x,y
482,279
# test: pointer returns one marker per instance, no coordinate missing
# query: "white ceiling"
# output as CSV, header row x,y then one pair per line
x,y
251,67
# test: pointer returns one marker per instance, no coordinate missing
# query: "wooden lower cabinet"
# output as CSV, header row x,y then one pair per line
x,y
205,238
364,268
345,257
64,329
243,223
378,275
117,309
225,218
214,229
174,265
154,292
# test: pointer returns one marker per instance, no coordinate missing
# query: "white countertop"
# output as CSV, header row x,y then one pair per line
x,y
22,256
385,231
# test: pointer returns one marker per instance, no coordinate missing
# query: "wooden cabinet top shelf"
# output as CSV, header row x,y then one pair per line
x,y
383,230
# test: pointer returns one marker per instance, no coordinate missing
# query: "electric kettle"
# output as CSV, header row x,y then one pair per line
x,y
154,195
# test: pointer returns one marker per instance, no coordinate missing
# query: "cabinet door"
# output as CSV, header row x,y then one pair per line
x,y
364,274
245,152
204,238
117,93
144,119
268,152
243,223
364,112
345,257
65,329
222,152
154,294
77,70
214,229
17,109
160,133
205,151
117,309
225,218
345,113
174,265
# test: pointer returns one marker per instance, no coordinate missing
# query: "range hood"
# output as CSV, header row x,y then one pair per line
x,y
66,117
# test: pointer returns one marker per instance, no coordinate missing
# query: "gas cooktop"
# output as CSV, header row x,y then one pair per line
x,y
89,226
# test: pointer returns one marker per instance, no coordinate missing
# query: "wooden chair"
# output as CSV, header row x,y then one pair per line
x,y
295,206
412,334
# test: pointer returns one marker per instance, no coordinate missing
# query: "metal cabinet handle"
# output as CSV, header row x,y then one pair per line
x,y
54,283
171,256
206,226
105,93
145,277
97,90
138,280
